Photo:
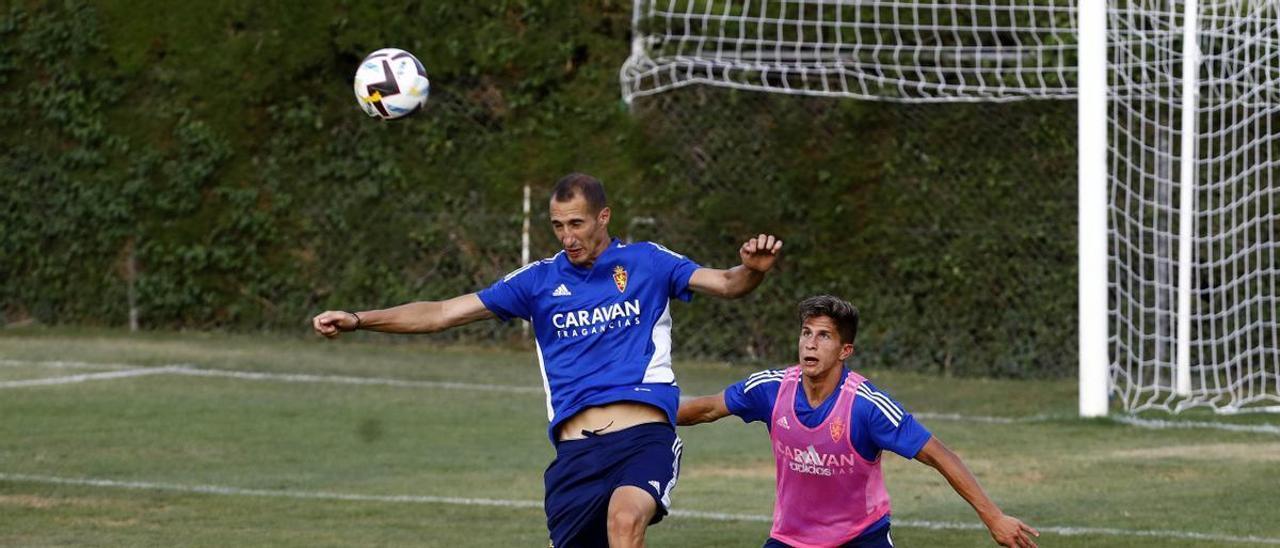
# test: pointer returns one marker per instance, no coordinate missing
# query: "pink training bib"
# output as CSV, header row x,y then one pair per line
x,y
827,493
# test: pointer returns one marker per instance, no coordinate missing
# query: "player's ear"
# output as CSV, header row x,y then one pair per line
x,y
604,215
846,351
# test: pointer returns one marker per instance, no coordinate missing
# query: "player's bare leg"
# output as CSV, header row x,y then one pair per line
x,y
630,509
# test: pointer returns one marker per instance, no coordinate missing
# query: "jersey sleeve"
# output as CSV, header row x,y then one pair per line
x,y
511,297
886,425
678,268
751,399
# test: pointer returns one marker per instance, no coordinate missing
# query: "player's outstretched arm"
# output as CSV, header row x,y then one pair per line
x,y
702,409
1006,530
758,256
415,317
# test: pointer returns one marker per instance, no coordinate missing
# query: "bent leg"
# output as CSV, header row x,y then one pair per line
x,y
630,510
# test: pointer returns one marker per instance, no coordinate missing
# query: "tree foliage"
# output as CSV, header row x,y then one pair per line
x,y
210,157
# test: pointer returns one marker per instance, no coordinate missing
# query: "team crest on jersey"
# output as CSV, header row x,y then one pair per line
x,y
836,429
620,278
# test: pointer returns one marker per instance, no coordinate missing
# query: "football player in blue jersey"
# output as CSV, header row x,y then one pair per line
x,y
601,314
828,426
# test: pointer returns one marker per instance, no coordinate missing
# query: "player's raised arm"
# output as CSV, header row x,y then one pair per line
x,y
415,317
1006,530
758,256
702,409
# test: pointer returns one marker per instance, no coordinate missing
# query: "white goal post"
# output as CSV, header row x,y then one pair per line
x,y
1092,209
1179,151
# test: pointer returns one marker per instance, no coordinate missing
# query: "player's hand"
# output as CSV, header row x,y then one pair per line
x,y
760,253
331,323
1010,531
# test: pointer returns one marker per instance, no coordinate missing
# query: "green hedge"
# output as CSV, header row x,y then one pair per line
x,y
217,147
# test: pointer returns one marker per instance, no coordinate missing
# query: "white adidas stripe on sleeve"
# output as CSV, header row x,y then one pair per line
x,y
517,271
766,373
754,384
663,248
888,403
760,377
886,407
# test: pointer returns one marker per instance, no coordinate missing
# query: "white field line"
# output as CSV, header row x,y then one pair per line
x,y
972,418
1059,530
68,365
336,379
49,381
181,369
533,504
184,369
236,491
1159,425
1122,419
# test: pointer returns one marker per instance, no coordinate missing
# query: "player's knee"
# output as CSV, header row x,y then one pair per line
x,y
627,520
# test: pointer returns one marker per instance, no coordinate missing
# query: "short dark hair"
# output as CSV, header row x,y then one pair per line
x,y
839,310
574,184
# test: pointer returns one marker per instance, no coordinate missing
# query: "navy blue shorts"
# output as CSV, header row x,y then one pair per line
x,y
875,538
586,471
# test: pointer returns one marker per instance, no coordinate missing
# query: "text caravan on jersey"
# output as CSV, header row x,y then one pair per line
x,y
597,320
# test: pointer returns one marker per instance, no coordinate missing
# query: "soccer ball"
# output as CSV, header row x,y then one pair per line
x,y
391,83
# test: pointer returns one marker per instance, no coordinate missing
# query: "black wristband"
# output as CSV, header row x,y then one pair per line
x,y
357,320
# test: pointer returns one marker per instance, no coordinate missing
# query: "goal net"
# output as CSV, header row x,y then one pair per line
x,y
1192,137
882,50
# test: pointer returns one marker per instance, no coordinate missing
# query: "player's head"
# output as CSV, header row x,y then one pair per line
x,y
580,217
828,326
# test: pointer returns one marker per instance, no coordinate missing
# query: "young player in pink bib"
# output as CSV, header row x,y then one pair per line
x,y
818,465
828,427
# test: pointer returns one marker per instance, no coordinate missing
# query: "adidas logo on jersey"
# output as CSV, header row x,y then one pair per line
x,y
782,421
561,291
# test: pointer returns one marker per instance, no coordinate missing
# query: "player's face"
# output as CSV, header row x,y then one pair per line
x,y
821,350
583,233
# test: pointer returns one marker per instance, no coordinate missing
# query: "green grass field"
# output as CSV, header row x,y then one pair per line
x,y
374,442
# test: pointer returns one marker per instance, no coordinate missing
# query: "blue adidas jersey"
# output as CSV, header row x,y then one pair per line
x,y
879,422
603,333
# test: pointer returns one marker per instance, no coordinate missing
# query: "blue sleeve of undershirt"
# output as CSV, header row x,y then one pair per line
x,y
886,425
751,399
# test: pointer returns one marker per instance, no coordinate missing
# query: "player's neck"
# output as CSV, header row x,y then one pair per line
x,y
596,253
819,389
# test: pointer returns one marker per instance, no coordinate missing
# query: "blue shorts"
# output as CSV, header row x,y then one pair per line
x,y
875,538
586,471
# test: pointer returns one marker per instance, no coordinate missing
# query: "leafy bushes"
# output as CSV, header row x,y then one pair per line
x,y
209,158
